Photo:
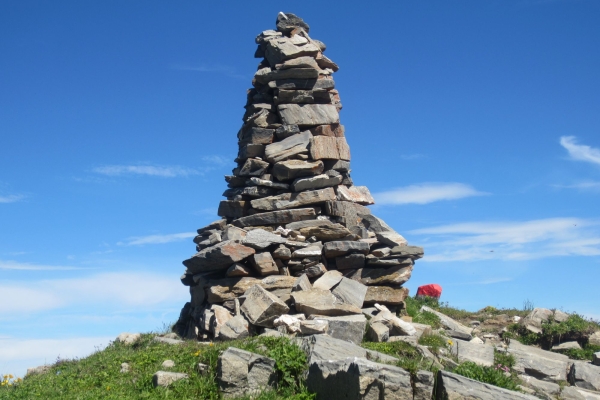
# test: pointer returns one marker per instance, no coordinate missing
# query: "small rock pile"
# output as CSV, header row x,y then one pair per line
x,y
296,238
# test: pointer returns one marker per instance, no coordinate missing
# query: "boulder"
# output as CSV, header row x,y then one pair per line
x,y
220,317
533,321
128,338
218,257
234,233
260,239
291,200
288,147
594,339
396,325
414,252
385,295
356,378
326,233
566,346
301,283
165,379
276,217
238,269
242,373
332,148
478,353
315,182
281,49
350,328
264,264
292,169
596,358
432,290
341,248
168,364
453,387
308,114
328,280
314,327
235,328
423,384
323,347
540,364
585,375
321,302
215,225
261,307
550,389
395,276
449,323
350,261
355,194
378,332
253,167
350,292
288,22
296,226
233,209
391,238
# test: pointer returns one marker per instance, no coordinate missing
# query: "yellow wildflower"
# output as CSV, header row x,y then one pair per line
x,y
211,344
450,342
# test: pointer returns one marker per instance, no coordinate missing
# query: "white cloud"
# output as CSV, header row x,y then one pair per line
x,y
17,355
156,239
142,290
149,170
425,193
585,186
11,198
580,152
216,159
511,240
19,266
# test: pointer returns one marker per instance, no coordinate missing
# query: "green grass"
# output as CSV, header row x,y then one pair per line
x,y
408,356
98,376
492,375
575,328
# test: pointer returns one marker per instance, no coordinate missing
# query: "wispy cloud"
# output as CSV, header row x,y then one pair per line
x,y
142,290
512,240
214,68
584,186
156,239
19,266
580,152
489,281
149,170
216,159
425,193
11,198
19,354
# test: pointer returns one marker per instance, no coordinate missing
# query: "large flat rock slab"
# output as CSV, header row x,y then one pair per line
x,y
541,364
281,217
241,373
322,302
356,378
454,387
308,114
218,257
293,200
480,354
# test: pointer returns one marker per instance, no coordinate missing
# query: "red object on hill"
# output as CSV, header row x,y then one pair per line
x,y
432,290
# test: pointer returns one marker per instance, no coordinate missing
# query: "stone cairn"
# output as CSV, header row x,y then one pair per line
x,y
295,240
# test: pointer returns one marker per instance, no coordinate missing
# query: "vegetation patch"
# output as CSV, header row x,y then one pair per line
x,y
499,375
98,376
575,328
409,357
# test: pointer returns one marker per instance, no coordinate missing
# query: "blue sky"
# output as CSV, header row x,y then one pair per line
x,y
474,124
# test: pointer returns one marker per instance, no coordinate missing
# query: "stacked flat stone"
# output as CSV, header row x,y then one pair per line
x,y
293,217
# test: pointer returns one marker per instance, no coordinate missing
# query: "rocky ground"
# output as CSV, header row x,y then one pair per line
x,y
426,351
